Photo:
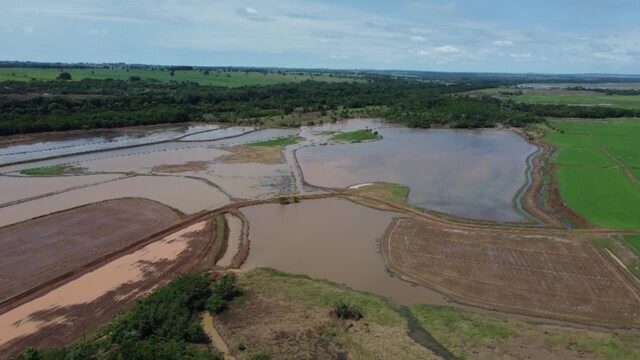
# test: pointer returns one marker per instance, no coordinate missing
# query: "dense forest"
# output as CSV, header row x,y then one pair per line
x,y
38,106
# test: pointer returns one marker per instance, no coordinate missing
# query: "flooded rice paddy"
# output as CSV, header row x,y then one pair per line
x,y
332,239
103,139
45,311
186,195
472,174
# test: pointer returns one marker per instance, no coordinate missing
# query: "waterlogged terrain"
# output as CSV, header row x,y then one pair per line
x,y
305,237
80,142
472,174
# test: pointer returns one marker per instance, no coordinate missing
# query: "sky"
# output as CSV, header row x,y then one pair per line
x,y
558,36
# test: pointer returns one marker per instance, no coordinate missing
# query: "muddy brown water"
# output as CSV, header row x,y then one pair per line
x,y
97,140
16,188
471,174
186,195
47,311
332,239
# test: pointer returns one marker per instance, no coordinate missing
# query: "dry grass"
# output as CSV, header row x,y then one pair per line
x,y
290,317
178,168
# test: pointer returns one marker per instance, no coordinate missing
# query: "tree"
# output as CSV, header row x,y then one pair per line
x,y
64,76
172,72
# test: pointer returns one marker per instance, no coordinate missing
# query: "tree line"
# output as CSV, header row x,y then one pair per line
x,y
98,103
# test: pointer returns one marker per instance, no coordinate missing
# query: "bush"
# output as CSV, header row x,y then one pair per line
x,y
344,310
216,304
226,287
64,76
261,356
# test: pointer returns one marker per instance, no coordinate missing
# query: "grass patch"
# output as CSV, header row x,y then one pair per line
x,y
393,193
294,316
356,136
277,142
45,171
469,336
633,243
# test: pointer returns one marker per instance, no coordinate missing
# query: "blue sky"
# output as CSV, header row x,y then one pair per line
x,y
560,36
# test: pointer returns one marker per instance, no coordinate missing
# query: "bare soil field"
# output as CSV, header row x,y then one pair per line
x,y
557,275
253,154
36,251
91,299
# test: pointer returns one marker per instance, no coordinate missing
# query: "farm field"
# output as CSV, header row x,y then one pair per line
x,y
597,170
214,78
239,202
567,97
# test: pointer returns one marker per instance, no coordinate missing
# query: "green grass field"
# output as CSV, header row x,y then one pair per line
x,y
633,242
227,79
597,171
569,98
355,136
277,142
45,171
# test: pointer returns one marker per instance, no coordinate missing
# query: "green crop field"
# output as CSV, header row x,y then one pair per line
x,y
559,97
598,170
214,78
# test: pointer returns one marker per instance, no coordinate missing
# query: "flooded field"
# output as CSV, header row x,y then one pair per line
x,y
219,134
69,311
100,140
472,174
16,188
183,194
42,249
306,237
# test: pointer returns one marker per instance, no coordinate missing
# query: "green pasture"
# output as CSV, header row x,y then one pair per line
x,y
598,169
214,78
557,97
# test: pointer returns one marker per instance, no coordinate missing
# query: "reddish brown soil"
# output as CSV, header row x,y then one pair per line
x,y
36,251
558,275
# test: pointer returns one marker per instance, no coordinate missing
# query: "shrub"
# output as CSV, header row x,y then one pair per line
x,y
226,287
261,356
64,76
344,310
216,304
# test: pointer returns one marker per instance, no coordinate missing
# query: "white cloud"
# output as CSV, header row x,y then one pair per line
x,y
10,30
526,55
503,43
418,38
28,29
446,49
423,53
253,14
